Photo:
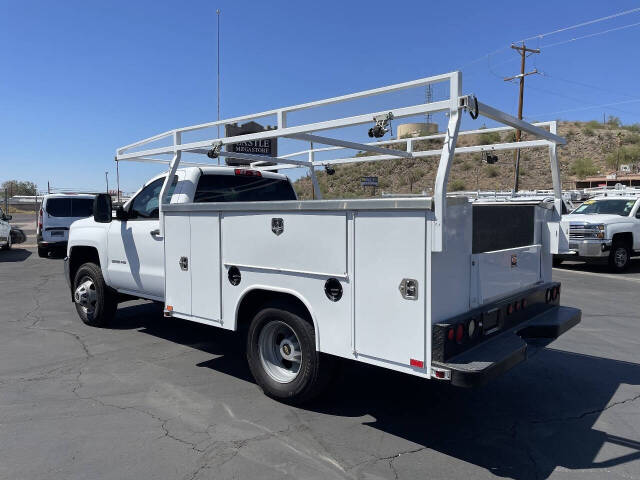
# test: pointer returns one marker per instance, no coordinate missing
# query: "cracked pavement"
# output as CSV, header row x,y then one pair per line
x,y
166,399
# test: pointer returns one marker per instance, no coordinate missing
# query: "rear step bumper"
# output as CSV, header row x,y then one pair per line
x,y
489,359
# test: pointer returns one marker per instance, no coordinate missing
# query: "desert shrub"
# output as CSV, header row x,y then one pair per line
x,y
583,167
491,171
489,138
593,124
589,131
635,127
457,185
631,139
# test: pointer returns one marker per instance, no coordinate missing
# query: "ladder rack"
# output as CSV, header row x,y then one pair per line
x,y
454,105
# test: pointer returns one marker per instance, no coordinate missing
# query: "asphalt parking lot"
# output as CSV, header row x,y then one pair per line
x,y
151,398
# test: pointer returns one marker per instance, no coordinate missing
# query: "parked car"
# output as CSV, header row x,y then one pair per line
x,y
5,231
57,213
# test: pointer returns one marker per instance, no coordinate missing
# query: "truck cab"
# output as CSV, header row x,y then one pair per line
x,y
130,249
605,228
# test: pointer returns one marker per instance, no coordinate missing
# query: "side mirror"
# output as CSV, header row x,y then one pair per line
x,y
121,213
102,208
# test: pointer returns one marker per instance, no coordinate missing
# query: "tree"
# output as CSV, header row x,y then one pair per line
x,y
613,121
15,187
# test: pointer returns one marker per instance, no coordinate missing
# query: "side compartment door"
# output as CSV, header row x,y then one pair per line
x,y
177,252
390,247
205,266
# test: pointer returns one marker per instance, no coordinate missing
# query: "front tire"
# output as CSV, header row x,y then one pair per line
x,y
557,261
282,355
620,257
43,252
95,301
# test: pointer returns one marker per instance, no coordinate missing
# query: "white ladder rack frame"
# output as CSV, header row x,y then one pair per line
x,y
454,105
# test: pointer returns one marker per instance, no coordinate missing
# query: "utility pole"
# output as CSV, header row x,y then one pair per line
x,y
106,177
522,50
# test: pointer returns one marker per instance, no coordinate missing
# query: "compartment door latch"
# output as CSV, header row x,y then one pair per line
x,y
184,263
409,289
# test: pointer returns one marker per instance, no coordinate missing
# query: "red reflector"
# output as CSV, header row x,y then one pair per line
x,y
248,173
451,334
416,363
459,333
516,306
170,308
509,309
523,303
439,374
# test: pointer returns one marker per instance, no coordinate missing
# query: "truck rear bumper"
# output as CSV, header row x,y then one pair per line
x,y
492,358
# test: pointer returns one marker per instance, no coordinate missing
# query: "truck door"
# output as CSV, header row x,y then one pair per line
x,y
135,250
390,286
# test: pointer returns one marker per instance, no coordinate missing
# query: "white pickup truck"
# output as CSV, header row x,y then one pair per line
x,y
434,287
605,228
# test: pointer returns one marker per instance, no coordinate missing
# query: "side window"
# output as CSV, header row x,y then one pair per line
x,y
145,204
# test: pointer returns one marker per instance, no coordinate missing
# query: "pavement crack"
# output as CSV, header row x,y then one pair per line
x,y
587,413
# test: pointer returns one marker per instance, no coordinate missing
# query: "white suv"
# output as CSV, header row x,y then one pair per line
x,y
57,213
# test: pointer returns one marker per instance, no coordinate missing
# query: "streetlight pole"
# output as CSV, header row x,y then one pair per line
x,y
106,177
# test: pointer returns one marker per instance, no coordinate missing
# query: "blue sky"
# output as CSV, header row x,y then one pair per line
x,y
80,78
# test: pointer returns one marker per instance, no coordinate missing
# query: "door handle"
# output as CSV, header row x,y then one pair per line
x,y
155,232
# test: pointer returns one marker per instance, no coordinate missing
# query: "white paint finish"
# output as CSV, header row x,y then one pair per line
x,y
135,258
495,277
178,281
388,248
311,241
205,265
331,319
450,269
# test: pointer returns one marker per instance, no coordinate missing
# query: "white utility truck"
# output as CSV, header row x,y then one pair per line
x,y
434,287
605,228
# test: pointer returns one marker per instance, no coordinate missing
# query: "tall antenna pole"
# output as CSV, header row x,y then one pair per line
x,y
522,50
218,89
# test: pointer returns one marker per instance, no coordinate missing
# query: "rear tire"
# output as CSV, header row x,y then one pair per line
x,y
95,301
43,252
557,261
282,355
619,257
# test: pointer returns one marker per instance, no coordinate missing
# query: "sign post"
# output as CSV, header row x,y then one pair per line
x,y
369,182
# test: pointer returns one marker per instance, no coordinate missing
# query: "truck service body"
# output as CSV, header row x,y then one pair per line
x,y
437,287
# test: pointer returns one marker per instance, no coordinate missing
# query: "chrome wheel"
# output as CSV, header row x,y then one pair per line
x,y
621,257
85,295
279,351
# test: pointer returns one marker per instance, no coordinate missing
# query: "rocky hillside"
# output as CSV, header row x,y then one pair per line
x,y
591,148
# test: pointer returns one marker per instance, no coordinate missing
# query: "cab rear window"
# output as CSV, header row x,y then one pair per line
x,y
69,207
238,188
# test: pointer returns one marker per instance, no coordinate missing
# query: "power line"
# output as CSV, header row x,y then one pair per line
x,y
583,24
539,115
582,84
591,35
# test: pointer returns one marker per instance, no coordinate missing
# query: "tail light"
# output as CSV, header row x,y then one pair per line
x,y
459,333
40,214
247,173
